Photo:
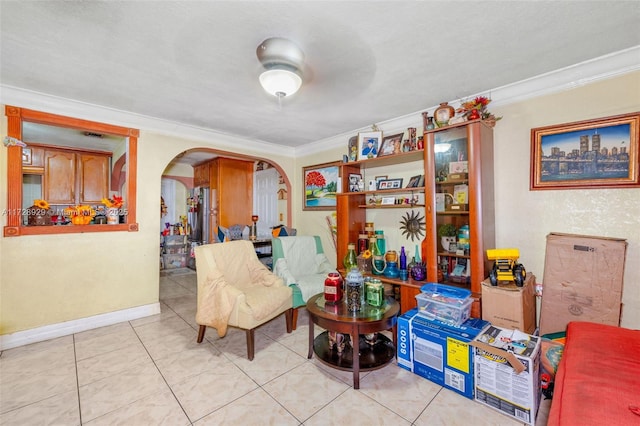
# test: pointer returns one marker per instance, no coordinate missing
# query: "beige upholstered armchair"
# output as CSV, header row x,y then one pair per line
x,y
235,289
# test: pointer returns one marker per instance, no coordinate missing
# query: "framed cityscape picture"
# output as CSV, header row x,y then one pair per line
x,y
599,153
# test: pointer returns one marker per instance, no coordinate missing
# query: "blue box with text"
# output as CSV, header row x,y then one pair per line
x,y
439,351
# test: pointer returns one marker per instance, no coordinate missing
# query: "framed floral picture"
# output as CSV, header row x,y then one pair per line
x,y
368,145
321,183
599,153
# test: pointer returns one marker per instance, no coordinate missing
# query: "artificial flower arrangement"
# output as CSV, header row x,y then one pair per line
x,y
113,203
41,204
80,214
477,108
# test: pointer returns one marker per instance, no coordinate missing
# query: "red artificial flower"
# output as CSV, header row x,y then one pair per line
x,y
481,101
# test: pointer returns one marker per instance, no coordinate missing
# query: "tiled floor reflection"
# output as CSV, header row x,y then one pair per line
x,y
151,371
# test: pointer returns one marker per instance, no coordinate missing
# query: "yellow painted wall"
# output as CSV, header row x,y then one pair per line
x,y
81,275
523,217
49,279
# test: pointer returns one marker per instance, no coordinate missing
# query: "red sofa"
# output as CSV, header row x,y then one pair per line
x,y
598,378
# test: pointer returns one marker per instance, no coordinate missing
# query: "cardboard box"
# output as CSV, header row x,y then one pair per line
x,y
509,306
582,281
437,351
507,372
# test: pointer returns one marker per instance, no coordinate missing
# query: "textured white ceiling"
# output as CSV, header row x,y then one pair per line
x,y
195,62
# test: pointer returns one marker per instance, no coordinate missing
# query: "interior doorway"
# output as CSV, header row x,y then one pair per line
x,y
265,200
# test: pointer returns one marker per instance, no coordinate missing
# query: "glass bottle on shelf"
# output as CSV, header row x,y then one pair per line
x,y
378,258
350,261
382,246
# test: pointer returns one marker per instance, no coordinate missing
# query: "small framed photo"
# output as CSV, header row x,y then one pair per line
x,y
26,156
354,182
390,184
388,200
352,148
368,145
391,145
414,181
380,179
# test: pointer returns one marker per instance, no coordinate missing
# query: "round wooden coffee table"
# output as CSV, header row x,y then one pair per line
x,y
372,354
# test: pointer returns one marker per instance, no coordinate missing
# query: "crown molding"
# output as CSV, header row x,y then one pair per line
x,y
10,95
571,77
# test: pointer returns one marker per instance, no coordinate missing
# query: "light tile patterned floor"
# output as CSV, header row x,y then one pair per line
x,y
151,371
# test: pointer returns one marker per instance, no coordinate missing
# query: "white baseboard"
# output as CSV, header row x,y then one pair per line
x,y
39,334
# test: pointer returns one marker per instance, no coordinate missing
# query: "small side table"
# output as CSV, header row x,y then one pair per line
x,y
370,319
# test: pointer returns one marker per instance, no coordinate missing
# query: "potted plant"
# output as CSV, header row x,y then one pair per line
x,y
447,234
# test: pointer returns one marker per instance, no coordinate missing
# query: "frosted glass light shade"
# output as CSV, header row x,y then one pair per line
x,y
280,82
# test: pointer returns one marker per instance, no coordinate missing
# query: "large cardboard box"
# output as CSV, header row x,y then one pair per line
x,y
582,281
507,372
509,306
439,351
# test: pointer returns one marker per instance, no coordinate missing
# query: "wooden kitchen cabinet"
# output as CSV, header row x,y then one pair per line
x,y
75,177
231,183
93,178
201,174
59,183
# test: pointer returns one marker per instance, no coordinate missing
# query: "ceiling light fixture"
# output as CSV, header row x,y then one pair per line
x,y
282,60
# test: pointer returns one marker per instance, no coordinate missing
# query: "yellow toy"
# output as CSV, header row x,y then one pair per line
x,y
505,266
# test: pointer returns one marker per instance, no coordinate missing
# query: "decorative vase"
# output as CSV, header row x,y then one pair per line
x,y
443,114
430,124
37,216
112,216
474,114
418,272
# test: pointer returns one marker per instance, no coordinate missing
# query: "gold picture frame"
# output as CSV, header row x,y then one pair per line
x,y
598,153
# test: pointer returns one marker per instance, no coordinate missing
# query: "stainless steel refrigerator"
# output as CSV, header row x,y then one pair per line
x,y
199,208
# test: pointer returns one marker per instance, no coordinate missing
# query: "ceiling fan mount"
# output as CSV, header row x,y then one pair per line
x,y
282,60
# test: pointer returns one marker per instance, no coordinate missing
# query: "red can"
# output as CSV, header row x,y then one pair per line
x,y
333,287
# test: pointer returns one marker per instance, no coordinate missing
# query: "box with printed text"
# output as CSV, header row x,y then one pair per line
x,y
507,372
439,351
